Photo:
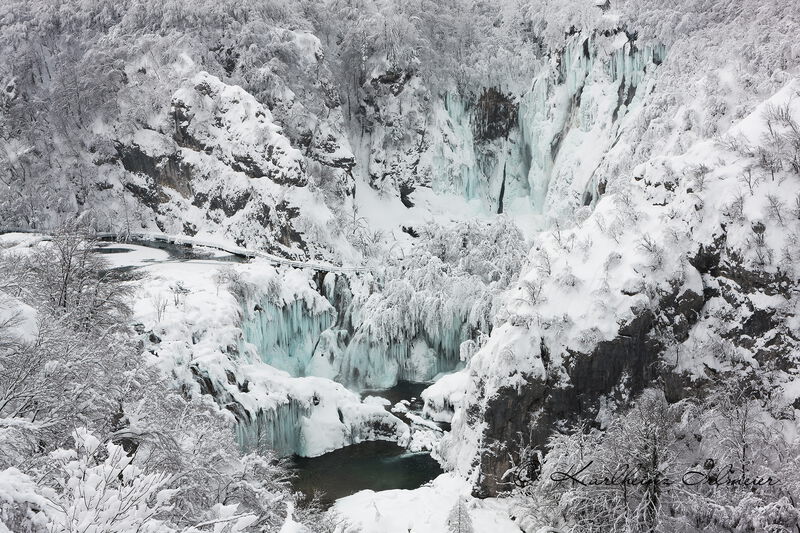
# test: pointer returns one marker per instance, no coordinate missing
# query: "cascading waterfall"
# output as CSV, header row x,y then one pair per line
x,y
329,418
285,336
556,104
293,338
277,429
523,163
455,155
370,362
484,170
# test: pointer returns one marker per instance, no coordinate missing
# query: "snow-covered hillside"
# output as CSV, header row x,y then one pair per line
x,y
684,275
555,213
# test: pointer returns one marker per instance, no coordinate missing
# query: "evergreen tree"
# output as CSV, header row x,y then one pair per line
x,y
459,520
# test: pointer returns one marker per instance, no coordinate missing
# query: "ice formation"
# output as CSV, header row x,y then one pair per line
x,y
563,126
285,335
319,416
205,341
335,339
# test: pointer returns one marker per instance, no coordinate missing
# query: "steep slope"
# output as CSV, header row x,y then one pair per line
x,y
214,122
683,276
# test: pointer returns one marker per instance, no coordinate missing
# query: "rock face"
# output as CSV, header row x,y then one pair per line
x,y
449,142
392,115
228,123
615,370
495,115
166,170
225,166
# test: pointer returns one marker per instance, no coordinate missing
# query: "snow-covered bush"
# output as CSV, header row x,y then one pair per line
x,y
446,289
97,488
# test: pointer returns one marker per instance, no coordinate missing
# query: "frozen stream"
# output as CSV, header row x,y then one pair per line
x,y
173,252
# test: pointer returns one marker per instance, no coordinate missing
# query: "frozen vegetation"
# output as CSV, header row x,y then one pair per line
x,y
579,221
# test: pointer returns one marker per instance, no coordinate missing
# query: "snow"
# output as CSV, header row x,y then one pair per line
x,y
387,213
18,487
425,440
422,510
791,391
376,400
19,240
445,396
290,525
150,141
17,320
419,421
401,407
223,112
753,127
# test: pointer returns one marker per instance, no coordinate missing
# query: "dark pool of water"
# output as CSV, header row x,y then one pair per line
x,y
375,465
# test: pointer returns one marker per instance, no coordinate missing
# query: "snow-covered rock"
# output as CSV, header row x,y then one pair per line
x,y
677,287
228,123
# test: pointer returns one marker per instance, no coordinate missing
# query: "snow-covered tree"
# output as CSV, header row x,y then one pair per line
x,y
459,521
147,458
660,467
447,288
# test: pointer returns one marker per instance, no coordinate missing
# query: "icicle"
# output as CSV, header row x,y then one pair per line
x,y
277,429
285,336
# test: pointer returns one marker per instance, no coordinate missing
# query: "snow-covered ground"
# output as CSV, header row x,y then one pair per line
x,y
422,510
